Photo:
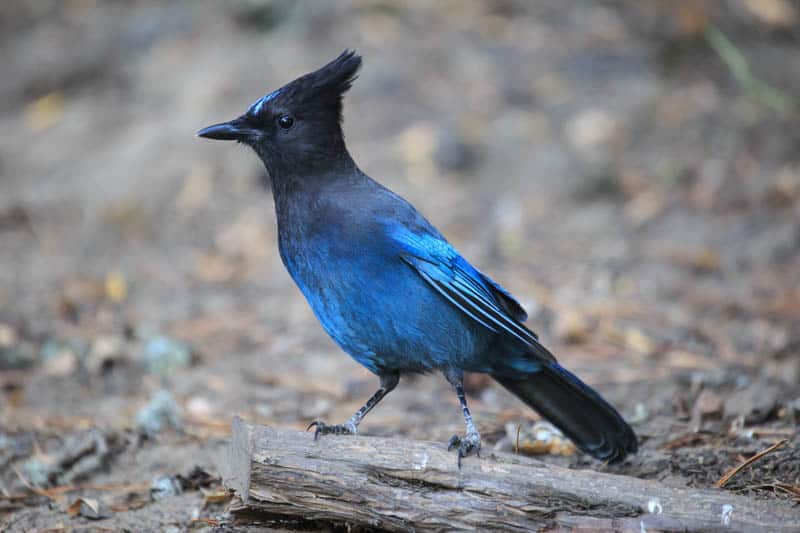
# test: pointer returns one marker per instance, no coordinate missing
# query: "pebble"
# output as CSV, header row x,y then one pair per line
x,y
163,355
164,487
162,412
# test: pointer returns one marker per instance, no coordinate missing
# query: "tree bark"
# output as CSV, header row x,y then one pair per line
x,y
282,476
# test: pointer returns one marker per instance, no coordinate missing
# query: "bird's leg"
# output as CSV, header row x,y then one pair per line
x,y
471,442
388,383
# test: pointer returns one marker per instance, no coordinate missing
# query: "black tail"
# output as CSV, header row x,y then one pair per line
x,y
576,409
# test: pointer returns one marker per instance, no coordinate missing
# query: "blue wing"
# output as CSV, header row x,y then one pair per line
x,y
465,287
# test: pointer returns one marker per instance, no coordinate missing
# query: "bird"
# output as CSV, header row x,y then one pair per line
x,y
387,286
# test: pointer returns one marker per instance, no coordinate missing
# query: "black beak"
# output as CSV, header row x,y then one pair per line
x,y
237,129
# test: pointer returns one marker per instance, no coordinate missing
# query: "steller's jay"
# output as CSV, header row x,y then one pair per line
x,y
387,286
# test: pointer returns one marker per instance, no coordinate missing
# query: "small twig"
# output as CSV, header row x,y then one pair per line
x,y
686,439
7,508
30,486
740,69
204,521
52,493
775,487
138,487
61,529
14,497
738,468
207,421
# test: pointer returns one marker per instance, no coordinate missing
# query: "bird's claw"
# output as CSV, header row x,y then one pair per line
x,y
330,429
471,443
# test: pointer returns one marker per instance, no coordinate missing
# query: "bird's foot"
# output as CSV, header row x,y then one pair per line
x,y
470,443
348,428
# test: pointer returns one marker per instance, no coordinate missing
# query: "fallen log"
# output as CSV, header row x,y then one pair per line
x,y
285,477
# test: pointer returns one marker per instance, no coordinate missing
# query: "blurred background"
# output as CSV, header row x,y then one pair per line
x,y
630,170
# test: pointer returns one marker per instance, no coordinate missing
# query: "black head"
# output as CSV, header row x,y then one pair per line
x,y
299,125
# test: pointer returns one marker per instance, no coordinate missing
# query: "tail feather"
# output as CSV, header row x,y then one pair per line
x,y
576,409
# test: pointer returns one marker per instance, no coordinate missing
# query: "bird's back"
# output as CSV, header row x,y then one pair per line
x,y
335,240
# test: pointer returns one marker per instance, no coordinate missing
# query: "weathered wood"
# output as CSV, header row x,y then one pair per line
x,y
404,485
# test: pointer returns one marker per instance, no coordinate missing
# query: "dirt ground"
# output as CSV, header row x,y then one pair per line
x,y
613,164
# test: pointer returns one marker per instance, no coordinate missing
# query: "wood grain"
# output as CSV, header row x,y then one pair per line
x,y
399,485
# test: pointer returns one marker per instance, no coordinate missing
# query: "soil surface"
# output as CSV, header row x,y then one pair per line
x,y
629,170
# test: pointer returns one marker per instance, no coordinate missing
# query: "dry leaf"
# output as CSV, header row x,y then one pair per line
x,y
708,403
690,16
116,287
705,261
591,128
774,12
75,507
539,438
475,383
702,261
214,497
637,341
8,336
196,190
87,508
215,268
572,327
45,111
785,191
63,363
416,147
645,206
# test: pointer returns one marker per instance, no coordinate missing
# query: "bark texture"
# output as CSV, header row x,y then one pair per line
x,y
283,476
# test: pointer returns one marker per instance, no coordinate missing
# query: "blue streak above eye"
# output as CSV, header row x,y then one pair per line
x,y
255,109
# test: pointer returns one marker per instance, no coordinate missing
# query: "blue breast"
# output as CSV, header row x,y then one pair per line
x,y
381,312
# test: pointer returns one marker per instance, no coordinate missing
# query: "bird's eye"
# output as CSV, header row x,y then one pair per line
x,y
285,121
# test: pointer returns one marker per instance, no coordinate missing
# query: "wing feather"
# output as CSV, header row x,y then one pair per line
x,y
474,294
465,290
